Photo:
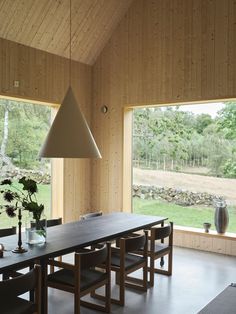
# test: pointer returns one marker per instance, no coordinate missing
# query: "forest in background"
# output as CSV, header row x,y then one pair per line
x,y
172,139
23,127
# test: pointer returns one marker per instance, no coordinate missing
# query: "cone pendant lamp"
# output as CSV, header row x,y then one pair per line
x,y
69,135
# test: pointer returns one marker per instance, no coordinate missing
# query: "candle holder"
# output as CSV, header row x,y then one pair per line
x,y
19,249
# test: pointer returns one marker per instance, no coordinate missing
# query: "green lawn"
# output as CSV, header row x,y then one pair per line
x,y
43,196
182,216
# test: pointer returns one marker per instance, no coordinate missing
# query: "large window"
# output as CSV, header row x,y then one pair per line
x,y
23,128
184,160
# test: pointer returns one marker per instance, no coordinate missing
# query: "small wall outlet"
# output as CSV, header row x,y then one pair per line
x,y
16,83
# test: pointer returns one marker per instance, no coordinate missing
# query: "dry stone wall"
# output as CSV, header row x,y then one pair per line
x,y
173,195
38,176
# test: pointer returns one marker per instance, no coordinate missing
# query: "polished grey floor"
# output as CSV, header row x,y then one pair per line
x,y
197,278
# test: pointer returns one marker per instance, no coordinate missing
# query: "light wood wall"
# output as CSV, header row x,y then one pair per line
x,y
44,77
211,242
45,25
164,51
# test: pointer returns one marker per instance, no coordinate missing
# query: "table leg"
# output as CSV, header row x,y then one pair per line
x,y
44,294
31,293
162,262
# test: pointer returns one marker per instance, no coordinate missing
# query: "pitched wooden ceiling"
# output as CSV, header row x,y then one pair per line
x,y
44,24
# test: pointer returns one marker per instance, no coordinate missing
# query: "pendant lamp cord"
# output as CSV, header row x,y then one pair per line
x,y
70,49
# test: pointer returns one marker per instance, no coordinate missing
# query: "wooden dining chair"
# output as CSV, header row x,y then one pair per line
x,y
157,250
124,262
7,232
84,277
10,291
90,215
54,222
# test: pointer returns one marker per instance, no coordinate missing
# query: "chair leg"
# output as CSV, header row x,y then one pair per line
x,y
167,272
170,260
152,271
145,279
76,302
52,268
31,293
122,288
108,297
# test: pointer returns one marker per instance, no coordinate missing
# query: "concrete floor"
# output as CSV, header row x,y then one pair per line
x,y
197,278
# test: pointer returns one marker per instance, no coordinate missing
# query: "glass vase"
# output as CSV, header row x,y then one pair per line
x,y
36,230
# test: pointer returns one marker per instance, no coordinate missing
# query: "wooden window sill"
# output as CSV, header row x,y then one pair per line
x,y
201,232
196,238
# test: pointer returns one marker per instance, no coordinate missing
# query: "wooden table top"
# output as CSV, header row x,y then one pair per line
x,y
66,238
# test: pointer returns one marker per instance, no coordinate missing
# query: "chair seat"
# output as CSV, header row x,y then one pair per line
x,y
159,248
131,260
89,277
17,306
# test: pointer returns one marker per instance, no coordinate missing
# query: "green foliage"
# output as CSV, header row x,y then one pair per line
x,y
227,120
27,128
43,196
229,168
182,216
170,139
202,122
24,197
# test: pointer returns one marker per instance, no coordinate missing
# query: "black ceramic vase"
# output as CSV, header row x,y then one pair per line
x,y
221,217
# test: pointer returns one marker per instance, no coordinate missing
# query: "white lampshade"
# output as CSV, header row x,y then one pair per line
x,y
69,135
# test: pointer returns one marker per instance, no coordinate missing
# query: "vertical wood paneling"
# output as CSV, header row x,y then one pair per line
x,y
212,242
231,48
209,47
45,77
163,51
127,162
221,44
45,24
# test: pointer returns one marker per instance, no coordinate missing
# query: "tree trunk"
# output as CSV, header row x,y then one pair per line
x,y
5,132
3,157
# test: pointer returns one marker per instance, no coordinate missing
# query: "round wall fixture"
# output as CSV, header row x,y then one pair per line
x,y
104,109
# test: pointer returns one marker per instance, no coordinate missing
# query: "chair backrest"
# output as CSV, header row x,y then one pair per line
x,y
7,232
92,258
14,287
161,233
49,222
54,222
90,215
134,243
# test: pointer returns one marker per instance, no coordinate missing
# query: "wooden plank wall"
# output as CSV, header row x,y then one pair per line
x,y
45,25
211,242
164,51
44,77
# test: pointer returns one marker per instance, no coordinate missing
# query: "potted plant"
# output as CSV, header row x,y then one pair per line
x,y
24,198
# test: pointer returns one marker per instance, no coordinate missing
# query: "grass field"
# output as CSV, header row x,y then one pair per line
x,y
43,196
182,216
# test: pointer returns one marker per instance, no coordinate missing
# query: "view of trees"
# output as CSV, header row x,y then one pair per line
x,y
172,139
23,127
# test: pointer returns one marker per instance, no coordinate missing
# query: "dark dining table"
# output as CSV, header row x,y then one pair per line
x,y
67,238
